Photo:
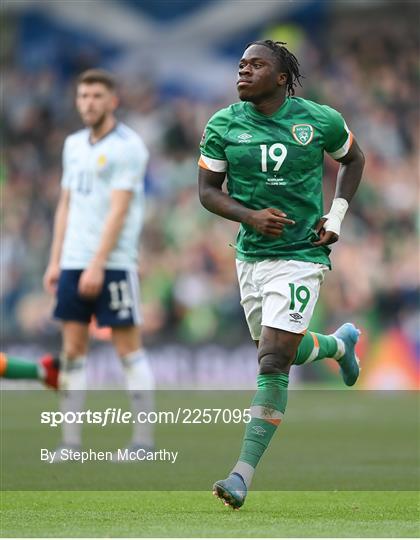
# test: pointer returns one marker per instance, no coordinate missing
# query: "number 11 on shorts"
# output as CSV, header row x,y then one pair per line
x,y
299,294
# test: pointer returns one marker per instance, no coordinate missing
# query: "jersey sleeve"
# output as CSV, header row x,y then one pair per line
x,y
130,168
67,172
212,145
338,137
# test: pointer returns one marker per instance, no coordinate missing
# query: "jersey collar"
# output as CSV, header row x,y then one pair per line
x,y
281,111
104,136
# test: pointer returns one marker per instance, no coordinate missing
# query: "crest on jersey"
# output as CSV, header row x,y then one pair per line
x,y
303,133
101,160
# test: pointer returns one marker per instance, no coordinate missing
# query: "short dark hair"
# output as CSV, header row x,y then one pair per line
x,y
287,62
97,75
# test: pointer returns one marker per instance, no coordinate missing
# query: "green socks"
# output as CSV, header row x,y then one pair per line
x,y
269,403
267,410
315,347
16,368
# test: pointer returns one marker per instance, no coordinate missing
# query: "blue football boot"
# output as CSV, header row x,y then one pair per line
x,y
349,363
232,491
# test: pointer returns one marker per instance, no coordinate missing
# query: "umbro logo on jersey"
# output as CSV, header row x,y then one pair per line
x,y
244,137
303,133
296,316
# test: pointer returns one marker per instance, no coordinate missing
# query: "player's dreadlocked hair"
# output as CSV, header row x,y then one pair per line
x,y
286,60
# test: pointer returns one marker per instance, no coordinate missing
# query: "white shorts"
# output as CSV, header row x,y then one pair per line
x,y
278,293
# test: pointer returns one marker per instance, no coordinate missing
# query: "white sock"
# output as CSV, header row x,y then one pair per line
x,y
245,470
341,348
72,385
140,383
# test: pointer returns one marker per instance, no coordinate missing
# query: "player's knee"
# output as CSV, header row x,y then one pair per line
x,y
126,341
74,350
124,348
274,358
272,363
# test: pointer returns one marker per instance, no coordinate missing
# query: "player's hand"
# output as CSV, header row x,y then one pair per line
x,y
269,221
325,237
50,280
91,281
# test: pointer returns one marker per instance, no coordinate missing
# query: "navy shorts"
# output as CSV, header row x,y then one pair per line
x,y
118,304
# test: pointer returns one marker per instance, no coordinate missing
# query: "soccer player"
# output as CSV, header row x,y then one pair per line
x,y
271,148
93,260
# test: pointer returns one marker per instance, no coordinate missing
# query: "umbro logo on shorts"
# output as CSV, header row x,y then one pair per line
x,y
296,317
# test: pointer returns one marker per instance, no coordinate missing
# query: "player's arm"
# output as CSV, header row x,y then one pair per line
x,y
52,272
350,172
268,221
340,143
92,277
348,180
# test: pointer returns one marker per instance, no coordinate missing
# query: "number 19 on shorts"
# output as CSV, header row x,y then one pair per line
x,y
298,295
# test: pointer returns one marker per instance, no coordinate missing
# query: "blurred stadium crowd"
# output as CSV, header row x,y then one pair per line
x,y
188,281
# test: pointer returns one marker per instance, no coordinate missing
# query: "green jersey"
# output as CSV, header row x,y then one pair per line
x,y
276,161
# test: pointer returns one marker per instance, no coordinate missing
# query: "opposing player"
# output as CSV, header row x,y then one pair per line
x,y
93,260
271,148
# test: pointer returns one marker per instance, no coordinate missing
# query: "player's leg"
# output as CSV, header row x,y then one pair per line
x,y
233,490
140,382
73,377
315,347
45,370
276,352
288,291
119,307
340,345
75,313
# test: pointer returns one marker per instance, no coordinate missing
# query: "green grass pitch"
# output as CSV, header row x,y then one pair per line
x,y
199,514
347,463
